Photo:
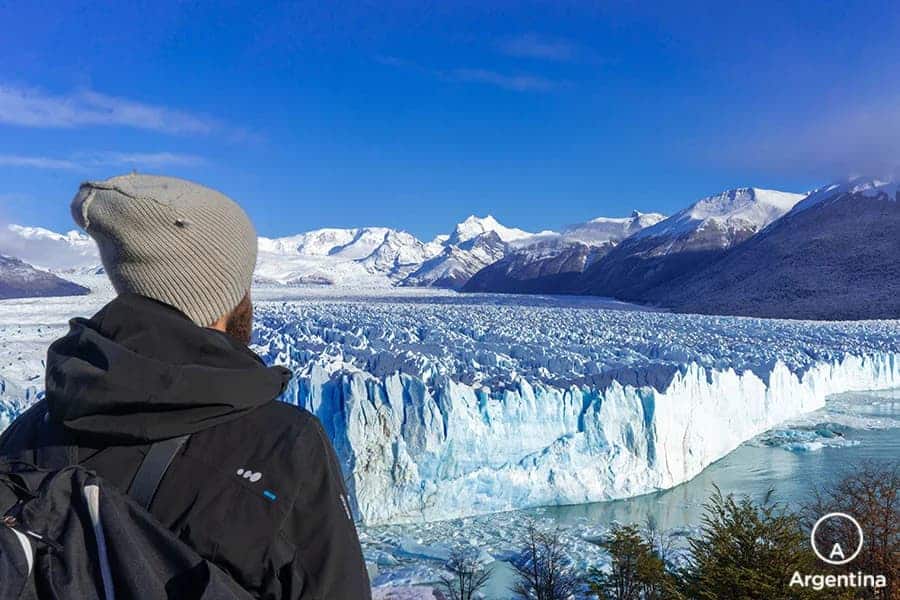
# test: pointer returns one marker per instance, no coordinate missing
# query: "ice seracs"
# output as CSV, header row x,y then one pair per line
x,y
442,404
460,407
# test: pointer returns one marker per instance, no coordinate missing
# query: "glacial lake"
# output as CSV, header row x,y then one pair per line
x,y
813,450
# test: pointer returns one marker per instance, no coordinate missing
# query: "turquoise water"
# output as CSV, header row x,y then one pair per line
x,y
866,426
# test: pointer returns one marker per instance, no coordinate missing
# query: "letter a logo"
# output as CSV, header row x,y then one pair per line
x,y
836,553
837,556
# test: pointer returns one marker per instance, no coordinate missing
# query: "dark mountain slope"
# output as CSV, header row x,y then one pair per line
x,y
683,243
552,264
21,280
836,255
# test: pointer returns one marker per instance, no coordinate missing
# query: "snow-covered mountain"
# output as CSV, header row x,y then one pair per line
x,y
836,255
367,257
378,256
357,257
60,253
611,229
474,244
721,220
551,262
456,263
20,280
688,239
474,226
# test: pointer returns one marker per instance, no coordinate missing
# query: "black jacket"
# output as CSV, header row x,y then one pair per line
x,y
140,371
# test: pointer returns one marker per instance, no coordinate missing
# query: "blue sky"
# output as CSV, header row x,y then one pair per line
x,y
416,114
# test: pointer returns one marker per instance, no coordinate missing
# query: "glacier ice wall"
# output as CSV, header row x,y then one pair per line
x,y
445,410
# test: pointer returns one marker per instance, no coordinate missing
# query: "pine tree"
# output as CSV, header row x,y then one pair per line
x,y
637,571
748,551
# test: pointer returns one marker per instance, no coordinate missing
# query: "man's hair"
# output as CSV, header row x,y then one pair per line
x,y
240,321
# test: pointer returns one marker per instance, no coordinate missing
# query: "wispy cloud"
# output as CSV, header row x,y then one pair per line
x,y
88,161
36,162
531,45
518,83
146,159
862,139
31,107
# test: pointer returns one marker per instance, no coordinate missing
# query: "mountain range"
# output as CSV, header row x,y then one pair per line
x,y
747,251
358,257
834,255
697,235
18,279
552,262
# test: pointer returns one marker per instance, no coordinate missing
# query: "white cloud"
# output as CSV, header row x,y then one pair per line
x,y
145,159
88,161
35,162
530,45
31,107
515,82
519,83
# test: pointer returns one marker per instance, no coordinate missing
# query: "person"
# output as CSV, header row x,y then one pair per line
x,y
256,488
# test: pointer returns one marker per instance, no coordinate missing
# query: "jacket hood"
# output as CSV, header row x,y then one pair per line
x,y
141,371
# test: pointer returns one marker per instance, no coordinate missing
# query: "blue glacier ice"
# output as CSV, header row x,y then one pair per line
x,y
442,405
443,408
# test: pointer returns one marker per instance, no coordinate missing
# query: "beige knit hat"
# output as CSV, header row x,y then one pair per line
x,y
171,240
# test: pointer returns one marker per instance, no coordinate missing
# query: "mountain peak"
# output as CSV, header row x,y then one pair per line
x,y
868,187
735,201
475,226
738,209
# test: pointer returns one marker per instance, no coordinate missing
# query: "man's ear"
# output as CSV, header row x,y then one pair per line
x,y
221,324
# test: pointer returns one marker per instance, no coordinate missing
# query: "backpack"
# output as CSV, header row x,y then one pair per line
x,y
65,533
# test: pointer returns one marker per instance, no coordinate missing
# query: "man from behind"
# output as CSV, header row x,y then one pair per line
x,y
164,373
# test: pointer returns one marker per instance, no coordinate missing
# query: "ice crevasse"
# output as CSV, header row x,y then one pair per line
x,y
419,443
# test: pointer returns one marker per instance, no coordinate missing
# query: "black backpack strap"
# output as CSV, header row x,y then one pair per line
x,y
53,448
154,466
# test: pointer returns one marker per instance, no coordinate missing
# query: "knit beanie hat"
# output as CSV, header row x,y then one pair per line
x,y
171,240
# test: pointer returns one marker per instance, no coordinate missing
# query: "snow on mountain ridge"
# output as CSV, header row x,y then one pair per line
x,y
367,256
474,226
611,229
18,279
747,209
319,242
51,251
866,187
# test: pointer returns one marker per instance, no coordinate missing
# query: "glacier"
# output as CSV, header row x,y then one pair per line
x,y
447,406
443,405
